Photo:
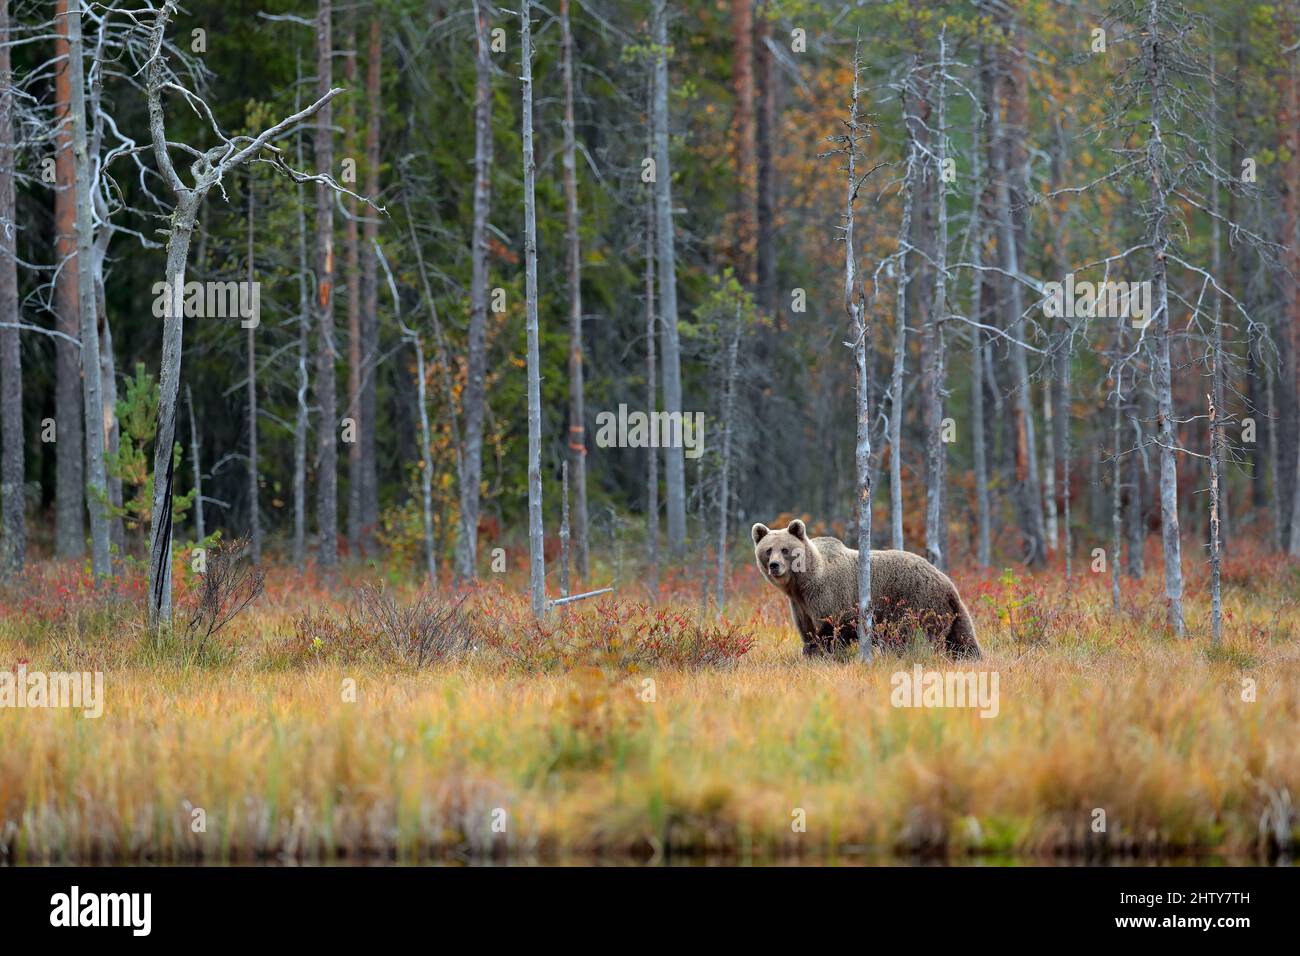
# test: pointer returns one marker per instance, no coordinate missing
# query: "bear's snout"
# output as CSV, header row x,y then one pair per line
x,y
775,568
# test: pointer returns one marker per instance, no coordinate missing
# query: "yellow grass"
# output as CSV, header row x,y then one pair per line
x,y
1097,712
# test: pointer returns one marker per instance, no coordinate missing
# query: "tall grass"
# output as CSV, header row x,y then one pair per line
x,y
625,729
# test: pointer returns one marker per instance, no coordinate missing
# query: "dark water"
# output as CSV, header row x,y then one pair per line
x,y
687,861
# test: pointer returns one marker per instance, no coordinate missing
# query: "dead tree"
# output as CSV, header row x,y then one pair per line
x,y
896,386
855,305
936,532
327,450
208,169
536,553
476,359
577,413
92,395
13,545
674,461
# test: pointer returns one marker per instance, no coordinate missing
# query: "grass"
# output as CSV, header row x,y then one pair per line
x,y
299,733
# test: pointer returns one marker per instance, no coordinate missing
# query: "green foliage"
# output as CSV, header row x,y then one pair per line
x,y
137,415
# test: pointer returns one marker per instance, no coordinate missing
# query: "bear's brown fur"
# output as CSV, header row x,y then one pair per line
x,y
820,577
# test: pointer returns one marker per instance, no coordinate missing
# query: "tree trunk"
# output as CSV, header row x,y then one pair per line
x,y
302,418
577,413
724,493
674,461
765,133
564,528
979,445
13,546
92,394
370,298
897,405
254,508
744,147
855,306
536,552
1117,472
1287,387
352,268
652,455
164,484
200,530
476,377
327,453
1159,241
69,450
936,533
1027,494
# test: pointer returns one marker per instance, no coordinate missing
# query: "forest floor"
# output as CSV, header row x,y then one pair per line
x,y
300,732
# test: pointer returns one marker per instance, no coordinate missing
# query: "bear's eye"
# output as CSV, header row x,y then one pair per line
x,y
785,552
767,554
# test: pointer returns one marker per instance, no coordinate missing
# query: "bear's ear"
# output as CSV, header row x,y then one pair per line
x,y
759,531
796,528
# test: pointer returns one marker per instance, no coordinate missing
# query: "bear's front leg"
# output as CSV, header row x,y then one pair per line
x,y
813,646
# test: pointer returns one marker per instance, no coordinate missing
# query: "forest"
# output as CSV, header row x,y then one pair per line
x,y
430,345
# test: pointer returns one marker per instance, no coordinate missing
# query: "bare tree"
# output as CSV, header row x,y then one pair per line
x,y
92,396
651,402
352,269
897,385
1154,64
199,528
674,461
208,169
536,553
936,532
254,509
327,453
476,360
731,346
577,413
370,293
13,546
855,306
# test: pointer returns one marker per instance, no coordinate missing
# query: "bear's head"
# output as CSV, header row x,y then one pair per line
x,y
783,554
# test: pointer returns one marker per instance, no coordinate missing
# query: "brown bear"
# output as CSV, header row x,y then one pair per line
x,y
820,577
